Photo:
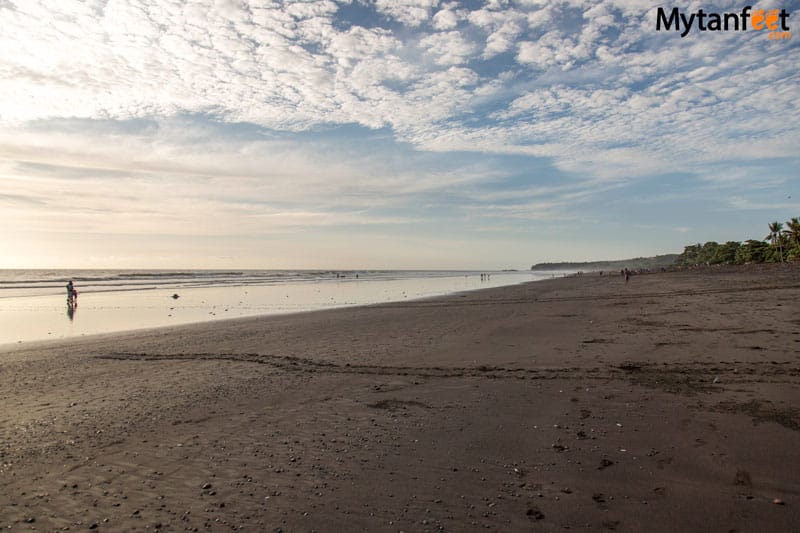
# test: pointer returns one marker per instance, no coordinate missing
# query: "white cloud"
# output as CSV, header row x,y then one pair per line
x,y
446,19
410,12
503,39
448,48
594,86
179,178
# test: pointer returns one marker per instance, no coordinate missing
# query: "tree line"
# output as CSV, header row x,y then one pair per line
x,y
781,244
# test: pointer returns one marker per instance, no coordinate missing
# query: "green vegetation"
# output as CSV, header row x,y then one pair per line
x,y
781,244
778,246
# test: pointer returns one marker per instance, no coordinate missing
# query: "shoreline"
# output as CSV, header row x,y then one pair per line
x,y
669,403
111,336
36,318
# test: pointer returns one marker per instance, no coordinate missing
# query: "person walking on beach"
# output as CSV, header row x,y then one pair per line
x,y
71,293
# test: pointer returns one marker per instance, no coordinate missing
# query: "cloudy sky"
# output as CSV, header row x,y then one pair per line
x,y
385,133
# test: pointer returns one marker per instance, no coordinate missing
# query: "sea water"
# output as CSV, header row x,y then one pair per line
x,y
33,302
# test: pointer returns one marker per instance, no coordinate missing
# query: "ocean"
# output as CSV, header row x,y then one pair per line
x,y
33,302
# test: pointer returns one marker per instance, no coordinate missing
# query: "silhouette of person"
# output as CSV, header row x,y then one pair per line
x,y
70,292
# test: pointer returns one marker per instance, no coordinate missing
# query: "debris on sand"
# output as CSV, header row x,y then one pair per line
x,y
605,463
535,513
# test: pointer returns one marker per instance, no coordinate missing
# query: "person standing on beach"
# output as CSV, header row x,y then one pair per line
x,y
70,293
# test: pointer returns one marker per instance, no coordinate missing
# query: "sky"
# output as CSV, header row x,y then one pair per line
x,y
386,133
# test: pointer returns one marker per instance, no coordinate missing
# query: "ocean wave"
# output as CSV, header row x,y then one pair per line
x,y
15,283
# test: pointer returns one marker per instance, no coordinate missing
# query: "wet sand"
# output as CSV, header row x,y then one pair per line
x,y
671,403
38,313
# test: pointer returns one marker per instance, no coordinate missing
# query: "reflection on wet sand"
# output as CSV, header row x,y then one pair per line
x,y
24,319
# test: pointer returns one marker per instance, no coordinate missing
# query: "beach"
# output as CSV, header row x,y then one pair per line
x,y
668,403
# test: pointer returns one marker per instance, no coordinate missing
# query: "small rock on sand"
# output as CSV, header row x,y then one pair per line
x,y
605,463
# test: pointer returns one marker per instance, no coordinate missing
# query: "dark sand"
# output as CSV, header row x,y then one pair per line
x,y
579,403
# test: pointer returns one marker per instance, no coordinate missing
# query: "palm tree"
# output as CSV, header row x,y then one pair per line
x,y
793,234
793,230
775,236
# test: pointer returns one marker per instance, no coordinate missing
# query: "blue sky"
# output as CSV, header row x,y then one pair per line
x,y
385,134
